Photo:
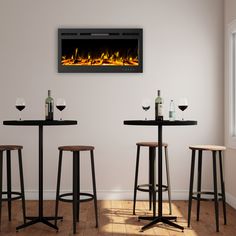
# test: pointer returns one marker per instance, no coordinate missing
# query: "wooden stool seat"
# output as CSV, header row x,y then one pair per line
x,y
208,147
150,144
76,148
10,147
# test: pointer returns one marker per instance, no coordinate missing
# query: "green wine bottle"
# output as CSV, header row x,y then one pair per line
x,y
49,107
158,106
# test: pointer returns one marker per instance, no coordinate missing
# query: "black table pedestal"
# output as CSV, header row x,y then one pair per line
x,y
160,218
40,123
40,218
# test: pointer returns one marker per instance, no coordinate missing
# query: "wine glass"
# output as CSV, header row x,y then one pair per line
x,y
20,105
61,105
183,104
146,103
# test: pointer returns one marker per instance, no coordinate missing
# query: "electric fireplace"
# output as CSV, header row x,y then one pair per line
x,y
100,50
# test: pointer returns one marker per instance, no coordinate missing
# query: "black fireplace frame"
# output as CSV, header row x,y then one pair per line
x,y
101,33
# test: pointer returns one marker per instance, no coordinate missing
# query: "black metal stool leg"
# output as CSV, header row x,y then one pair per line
x,y
75,188
9,183
136,179
1,156
215,190
153,171
222,187
191,186
94,187
22,184
199,182
58,185
168,179
150,179
78,186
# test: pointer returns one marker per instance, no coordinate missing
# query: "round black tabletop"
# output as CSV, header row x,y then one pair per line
x,y
39,122
159,123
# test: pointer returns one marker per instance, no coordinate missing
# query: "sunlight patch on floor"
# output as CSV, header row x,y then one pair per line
x,y
121,221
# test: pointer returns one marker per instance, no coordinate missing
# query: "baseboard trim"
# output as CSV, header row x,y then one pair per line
x,y
231,200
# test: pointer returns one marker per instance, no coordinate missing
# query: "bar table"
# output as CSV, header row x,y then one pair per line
x,y
40,123
160,217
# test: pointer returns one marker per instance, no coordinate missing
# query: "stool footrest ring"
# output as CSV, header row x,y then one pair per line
x,y
194,196
18,196
88,195
145,188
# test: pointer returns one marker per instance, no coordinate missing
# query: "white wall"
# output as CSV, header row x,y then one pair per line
x,y
230,160
183,56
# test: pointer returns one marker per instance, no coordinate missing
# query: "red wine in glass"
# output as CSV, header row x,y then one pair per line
x,y
60,107
146,108
183,107
20,107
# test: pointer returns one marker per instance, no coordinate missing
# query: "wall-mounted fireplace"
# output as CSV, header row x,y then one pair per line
x,y
100,50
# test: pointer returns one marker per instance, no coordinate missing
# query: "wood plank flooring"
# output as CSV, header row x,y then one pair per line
x,y
116,219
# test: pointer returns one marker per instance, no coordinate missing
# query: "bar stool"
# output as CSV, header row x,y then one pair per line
x,y
76,194
197,195
11,195
148,187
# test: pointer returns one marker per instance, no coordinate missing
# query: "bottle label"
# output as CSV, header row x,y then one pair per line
x,y
160,109
171,115
49,111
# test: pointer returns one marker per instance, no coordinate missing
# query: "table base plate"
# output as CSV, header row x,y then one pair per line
x,y
158,219
36,219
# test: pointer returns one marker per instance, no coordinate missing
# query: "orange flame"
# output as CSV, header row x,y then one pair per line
x,y
105,59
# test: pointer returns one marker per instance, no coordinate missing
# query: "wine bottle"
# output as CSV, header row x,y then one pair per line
x,y
158,106
49,107
172,111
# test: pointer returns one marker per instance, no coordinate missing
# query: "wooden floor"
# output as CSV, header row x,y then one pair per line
x,y
115,218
